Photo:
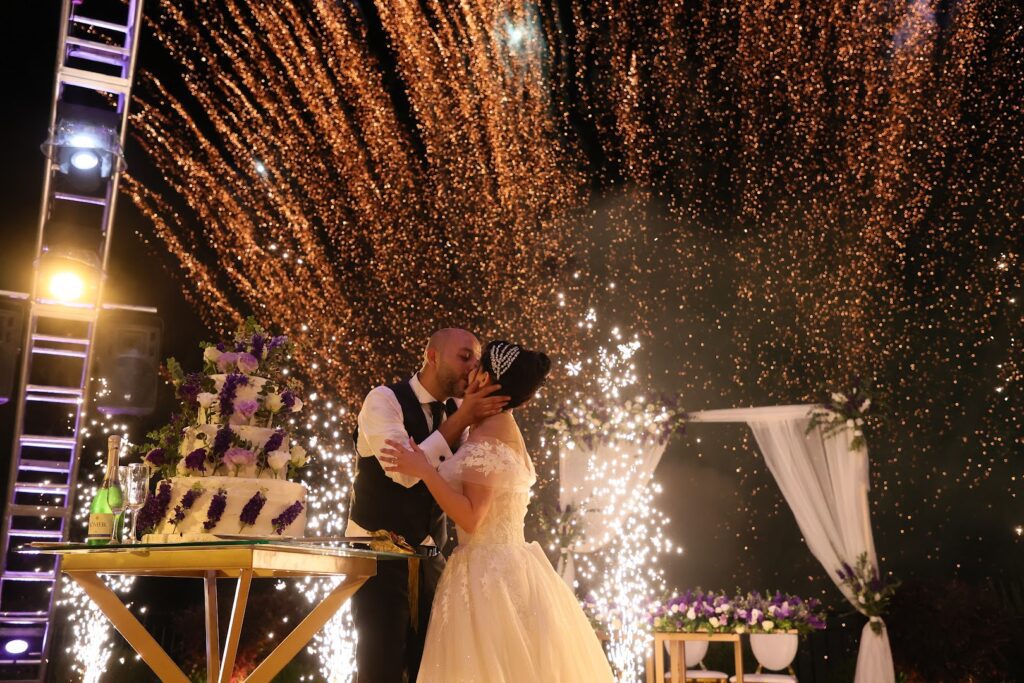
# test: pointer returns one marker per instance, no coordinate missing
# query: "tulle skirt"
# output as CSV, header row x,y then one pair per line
x,y
502,614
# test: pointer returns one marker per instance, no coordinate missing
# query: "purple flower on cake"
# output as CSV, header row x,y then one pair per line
x,y
252,509
285,519
156,457
274,442
244,410
221,347
239,457
196,460
186,503
222,440
258,342
277,341
189,389
227,392
226,361
247,363
155,508
216,509
290,401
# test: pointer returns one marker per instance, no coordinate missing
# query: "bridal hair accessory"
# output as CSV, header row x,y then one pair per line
x,y
502,358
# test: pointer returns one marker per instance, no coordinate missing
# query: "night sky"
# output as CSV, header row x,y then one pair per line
x,y
777,201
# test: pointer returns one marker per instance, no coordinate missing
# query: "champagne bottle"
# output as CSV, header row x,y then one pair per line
x,y
101,514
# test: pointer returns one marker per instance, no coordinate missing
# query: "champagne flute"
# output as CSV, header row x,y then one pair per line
x,y
136,491
115,499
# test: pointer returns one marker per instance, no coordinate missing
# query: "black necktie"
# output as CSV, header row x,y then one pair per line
x,y
436,410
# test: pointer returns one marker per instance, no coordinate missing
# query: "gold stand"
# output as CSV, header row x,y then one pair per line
x,y
243,562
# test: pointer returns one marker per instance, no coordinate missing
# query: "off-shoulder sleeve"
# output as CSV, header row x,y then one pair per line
x,y
489,462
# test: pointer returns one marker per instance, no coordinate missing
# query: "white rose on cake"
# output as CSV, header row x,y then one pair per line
x,y
298,455
278,460
273,402
211,354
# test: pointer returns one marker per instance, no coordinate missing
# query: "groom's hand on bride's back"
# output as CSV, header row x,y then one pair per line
x,y
478,404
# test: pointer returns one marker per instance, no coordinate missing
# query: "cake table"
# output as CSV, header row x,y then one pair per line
x,y
243,560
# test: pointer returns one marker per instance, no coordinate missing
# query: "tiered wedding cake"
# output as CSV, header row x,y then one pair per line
x,y
227,458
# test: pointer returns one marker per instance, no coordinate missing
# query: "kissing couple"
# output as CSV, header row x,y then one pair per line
x,y
445,443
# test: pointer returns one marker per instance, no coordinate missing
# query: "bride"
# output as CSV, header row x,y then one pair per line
x,y
501,614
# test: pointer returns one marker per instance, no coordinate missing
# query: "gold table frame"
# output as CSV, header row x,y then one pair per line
x,y
242,561
677,642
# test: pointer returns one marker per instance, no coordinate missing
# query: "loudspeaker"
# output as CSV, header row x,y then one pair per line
x,y
128,358
12,320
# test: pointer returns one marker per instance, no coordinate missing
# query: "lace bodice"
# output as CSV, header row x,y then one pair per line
x,y
510,472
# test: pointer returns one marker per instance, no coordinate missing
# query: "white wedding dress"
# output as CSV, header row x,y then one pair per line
x,y
501,613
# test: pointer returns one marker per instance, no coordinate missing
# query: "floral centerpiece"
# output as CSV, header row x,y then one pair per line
x,y
870,592
692,611
716,612
245,384
778,613
844,411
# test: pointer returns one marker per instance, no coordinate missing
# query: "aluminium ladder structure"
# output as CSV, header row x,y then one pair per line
x,y
96,58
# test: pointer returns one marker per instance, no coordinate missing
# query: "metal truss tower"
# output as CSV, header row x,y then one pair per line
x,y
88,120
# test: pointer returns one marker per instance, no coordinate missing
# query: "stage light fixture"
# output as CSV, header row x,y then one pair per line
x,y
16,646
85,159
68,276
66,286
84,142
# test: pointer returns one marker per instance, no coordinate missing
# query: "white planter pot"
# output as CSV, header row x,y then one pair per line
x,y
774,651
695,650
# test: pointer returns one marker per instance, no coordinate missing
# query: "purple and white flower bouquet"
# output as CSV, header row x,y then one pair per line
x,y
871,592
845,411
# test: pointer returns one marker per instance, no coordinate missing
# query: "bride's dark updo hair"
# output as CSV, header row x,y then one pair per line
x,y
519,372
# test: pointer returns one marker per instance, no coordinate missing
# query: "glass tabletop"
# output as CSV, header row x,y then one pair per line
x,y
321,547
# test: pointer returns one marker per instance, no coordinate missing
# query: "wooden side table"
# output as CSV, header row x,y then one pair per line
x,y
677,643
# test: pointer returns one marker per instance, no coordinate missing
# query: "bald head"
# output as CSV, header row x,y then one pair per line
x,y
451,354
447,338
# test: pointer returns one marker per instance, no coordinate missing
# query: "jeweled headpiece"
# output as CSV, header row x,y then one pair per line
x,y
502,356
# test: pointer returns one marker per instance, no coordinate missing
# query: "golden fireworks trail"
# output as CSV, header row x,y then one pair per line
x,y
305,192
777,196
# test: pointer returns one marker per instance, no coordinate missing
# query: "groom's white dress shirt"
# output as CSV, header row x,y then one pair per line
x,y
381,419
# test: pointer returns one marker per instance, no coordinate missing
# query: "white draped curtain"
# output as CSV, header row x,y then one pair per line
x,y
825,482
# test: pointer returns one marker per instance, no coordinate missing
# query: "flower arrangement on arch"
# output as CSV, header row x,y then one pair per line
x,y
871,592
845,411
595,420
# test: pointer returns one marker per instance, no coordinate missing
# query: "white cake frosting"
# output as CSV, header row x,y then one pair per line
x,y
280,495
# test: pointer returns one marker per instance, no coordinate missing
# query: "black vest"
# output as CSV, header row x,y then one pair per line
x,y
380,503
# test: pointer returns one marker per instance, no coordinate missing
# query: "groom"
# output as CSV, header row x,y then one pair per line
x,y
425,408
